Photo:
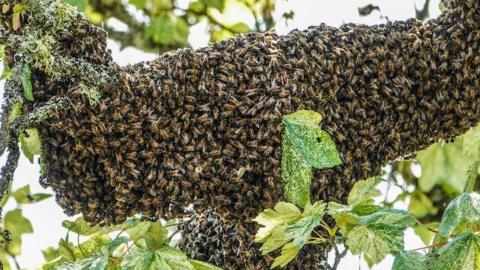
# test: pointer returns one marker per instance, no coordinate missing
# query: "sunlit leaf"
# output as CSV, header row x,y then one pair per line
x,y
289,252
364,191
286,226
163,258
198,265
15,112
23,195
304,145
50,254
156,236
26,78
426,232
471,143
98,262
461,253
375,241
462,214
18,225
472,174
79,4
394,217
444,164
30,143
409,260
81,227
420,205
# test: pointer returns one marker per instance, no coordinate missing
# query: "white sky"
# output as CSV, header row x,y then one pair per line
x,y
46,216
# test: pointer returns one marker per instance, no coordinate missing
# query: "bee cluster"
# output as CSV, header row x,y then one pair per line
x,y
210,237
204,127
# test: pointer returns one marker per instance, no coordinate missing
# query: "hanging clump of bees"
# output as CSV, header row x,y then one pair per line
x,y
203,127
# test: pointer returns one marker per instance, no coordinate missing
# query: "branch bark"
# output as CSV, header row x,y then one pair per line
x,y
204,126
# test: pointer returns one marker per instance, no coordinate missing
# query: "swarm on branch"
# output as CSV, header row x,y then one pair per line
x,y
203,126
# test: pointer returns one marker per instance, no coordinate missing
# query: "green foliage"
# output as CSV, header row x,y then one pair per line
x,y
18,225
147,246
286,226
304,146
30,143
26,78
409,260
168,29
364,192
15,112
24,196
421,205
163,258
462,253
443,164
168,23
461,215
79,4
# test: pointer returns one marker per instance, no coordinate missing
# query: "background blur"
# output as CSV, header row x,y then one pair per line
x,y
140,30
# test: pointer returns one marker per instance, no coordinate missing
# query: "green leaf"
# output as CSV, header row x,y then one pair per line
x,y
289,252
217,4
444,164
304,145
65,249
240,27
198,265
462,214
425,232
288,228
79,4
26,78
301,230
461,253
156,236
316,146
167,258
23,195
115,243
50,254
471,143
93,247
18,225
282,214
408,260
167,30
394,217
471,177
296,174
15,112
420,205
81,227
30,143
375,241
99,262
365,209
364,191
137,232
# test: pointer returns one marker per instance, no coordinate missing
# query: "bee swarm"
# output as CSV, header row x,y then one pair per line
x,y
204,126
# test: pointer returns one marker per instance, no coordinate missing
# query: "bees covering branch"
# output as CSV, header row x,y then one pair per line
x,y
203,127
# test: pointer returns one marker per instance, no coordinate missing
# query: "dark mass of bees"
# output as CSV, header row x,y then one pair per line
x,y
203,127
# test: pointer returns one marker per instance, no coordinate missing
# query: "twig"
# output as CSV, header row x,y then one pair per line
x,y
430,246
338,256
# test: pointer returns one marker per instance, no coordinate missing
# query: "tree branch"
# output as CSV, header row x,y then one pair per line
x,y
175,131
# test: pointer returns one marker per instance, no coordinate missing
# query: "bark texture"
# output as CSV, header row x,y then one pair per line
x,y
204,126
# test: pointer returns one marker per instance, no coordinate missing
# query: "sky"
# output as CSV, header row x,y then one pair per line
x,y
46,216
